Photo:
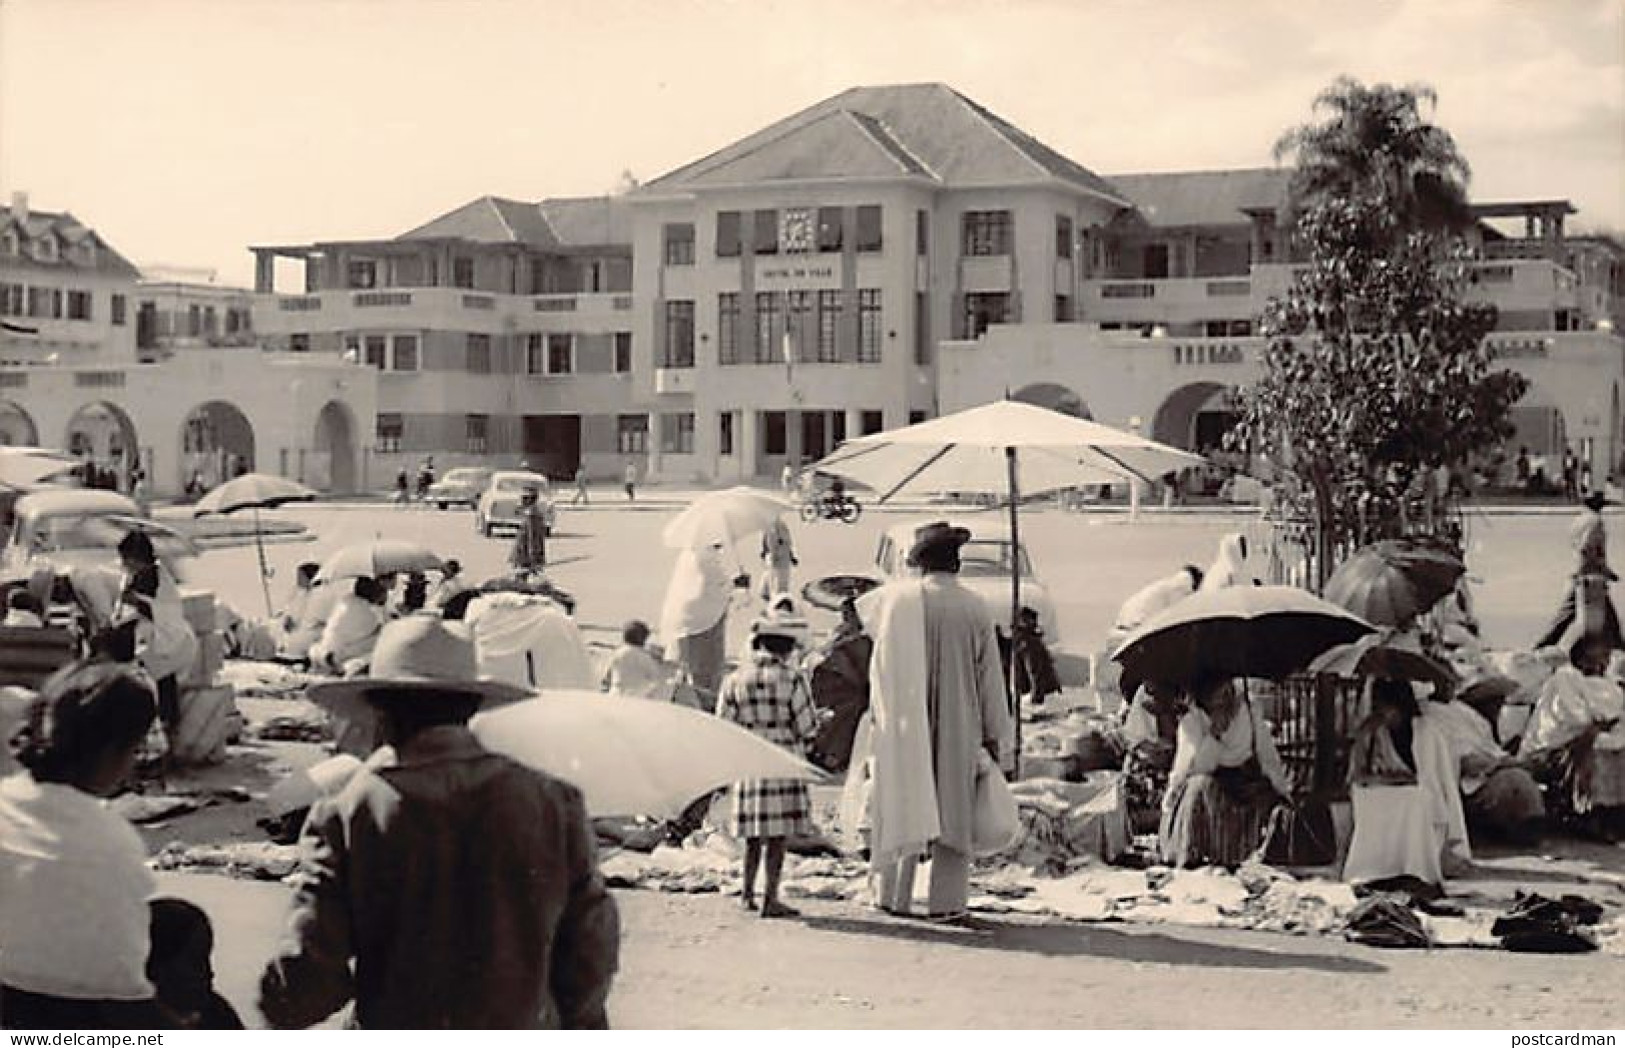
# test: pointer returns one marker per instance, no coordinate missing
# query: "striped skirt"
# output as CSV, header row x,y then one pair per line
x,y
1218,819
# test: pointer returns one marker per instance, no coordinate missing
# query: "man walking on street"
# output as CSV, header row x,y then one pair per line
x,y
1588,537
630,479
938,702
581,487
464,887
779,554
529,554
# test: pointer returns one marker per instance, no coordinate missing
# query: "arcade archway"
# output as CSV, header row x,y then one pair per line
x,y
217,443
17,426
1196,417
102,433
334,467
1056,397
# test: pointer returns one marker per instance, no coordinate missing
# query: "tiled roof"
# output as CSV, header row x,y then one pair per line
x,y
1205,198
71,232
927,130
551,225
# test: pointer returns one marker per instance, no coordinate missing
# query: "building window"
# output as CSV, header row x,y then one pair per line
x,y
56,303
462,272
765,232
728,327
872,422
767,325
774,441
377,351
194,321
117,310
631,434
211,322
799,323
869,326
679,243
406,353
869,231
78,305
361,273
987,233
1063,237
479,354
728,234
7,291
679,335
476,433
1063,309
560,354
829,229
535,354
984,309
829,327
299,342
916,417
390,429
725,433
677,433
623,352
922,233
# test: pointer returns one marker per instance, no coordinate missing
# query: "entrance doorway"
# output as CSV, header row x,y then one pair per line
x,y
552,444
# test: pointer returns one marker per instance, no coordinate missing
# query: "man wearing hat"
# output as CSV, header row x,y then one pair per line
x,y
463,886
937,701
1589,539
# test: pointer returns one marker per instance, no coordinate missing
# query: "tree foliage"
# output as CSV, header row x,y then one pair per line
x,y
1376,370
1376,142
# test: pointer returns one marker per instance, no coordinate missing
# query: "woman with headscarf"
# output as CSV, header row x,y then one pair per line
x,y
1230,567
1226,781
695,615
1405,786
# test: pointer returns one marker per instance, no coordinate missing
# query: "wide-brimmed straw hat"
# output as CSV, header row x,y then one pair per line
x,y
422,654
937,535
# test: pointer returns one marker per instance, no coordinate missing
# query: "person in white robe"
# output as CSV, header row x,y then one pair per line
x,y
1406,792
1230,567
527,640
352,630
938,700
694,617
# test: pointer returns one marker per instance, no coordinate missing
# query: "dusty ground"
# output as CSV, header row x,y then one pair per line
x,y
700,962
697,961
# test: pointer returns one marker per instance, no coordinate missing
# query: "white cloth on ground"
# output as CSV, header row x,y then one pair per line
x,y
528,640
74,887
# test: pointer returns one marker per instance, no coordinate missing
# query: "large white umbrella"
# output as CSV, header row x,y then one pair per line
x,y
633,756
254,491
1006,447
723,516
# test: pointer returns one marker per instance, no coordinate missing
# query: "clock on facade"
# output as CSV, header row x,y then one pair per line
x,y
797,230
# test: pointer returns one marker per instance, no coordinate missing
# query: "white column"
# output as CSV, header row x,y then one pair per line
x,y
854,423
748,442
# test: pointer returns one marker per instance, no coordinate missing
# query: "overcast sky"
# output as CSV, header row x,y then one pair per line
x,y
185,130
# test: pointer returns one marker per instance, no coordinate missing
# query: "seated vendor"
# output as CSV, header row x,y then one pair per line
x,y
1150,731
1227,779
352,630
1406,794
1571,743
1499,797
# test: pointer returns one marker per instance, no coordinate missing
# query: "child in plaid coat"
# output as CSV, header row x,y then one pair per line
x,y
770,697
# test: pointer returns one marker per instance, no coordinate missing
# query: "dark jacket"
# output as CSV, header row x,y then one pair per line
x,y
466,889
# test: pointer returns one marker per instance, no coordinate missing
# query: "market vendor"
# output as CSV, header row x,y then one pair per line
x,y
1572,740
1227,779
1499,797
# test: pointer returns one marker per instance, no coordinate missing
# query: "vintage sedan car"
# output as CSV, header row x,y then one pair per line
x,y
498,505
985,565
459,487
67,528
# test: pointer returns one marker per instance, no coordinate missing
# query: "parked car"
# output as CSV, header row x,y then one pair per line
x,y
498,506
459,487
67,528
985,564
